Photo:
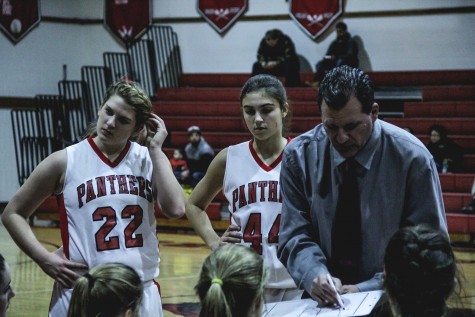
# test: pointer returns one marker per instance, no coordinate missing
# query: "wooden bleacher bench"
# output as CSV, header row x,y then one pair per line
x,y
456,182
379,78
460,126
461,224
449,93
442,109
465,141
226,94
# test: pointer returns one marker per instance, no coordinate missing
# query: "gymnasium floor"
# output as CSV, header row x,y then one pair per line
x,y
181,258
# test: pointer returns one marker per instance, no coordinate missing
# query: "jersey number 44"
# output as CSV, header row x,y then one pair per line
x,y
253,232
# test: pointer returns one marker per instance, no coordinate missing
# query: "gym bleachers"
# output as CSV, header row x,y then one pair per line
x,y
445,97
212,102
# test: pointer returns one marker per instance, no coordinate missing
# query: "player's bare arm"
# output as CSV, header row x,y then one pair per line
x,y
201,197
46,179
169,194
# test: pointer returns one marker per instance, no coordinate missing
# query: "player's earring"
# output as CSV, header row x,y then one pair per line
x,y
285,110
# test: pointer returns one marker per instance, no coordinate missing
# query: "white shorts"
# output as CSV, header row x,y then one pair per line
x,y
151,305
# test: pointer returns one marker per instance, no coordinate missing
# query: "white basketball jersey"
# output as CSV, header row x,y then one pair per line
x,y
109,209
253,191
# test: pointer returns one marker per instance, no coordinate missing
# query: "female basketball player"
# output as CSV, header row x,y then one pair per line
x,y
6,289
249,174
231,283
110,289
420,272
109,185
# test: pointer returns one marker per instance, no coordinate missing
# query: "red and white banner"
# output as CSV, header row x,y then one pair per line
x,y
221,14
18,17
315,16
127,19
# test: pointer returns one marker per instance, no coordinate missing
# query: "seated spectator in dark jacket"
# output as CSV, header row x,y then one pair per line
x,y
199,154
447,154
276,56
470,209
342,51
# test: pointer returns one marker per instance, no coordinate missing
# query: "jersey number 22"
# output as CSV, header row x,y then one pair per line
x,y
103,242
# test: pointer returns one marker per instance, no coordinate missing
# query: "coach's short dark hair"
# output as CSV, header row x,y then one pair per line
x,y
342,83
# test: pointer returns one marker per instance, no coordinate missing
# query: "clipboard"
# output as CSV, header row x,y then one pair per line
x,y
356,304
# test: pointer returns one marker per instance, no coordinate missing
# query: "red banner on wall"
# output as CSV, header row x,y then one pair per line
x,y
221,14
127,19
18,17
314,17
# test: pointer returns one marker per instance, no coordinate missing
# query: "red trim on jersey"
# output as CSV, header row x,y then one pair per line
x,y
258,160
104,158
63,225
158,288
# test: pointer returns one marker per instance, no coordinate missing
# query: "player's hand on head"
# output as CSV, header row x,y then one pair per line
x,y
61,269
157,131
231,235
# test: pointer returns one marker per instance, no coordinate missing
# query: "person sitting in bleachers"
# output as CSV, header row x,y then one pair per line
x,y
179,166
342,51
199,154
276,56
447,154
470,209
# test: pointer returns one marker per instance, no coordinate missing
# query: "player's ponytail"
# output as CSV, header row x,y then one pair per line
x,y
214,302
420,272
231,282
107,291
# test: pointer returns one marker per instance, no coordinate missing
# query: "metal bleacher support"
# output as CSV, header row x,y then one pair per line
x,y
97,79
143,65
30,146
51,123
154,61
167,55
119,64
76,109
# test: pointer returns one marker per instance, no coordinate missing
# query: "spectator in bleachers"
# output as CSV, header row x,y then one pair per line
x,y
248,173
420,272
199,154
277,56
447,154
6,290
342,51
231,283
110,289
470,209
179,166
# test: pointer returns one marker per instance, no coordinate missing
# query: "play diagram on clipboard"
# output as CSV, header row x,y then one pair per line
x,y
356,304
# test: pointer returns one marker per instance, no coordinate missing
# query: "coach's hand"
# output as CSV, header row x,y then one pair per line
x,y
323,292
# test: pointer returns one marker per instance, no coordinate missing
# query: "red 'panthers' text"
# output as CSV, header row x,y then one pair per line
x,y
256,191
112,185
